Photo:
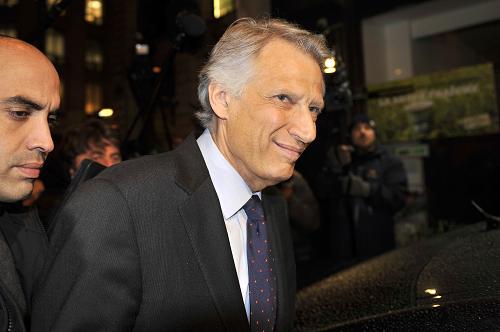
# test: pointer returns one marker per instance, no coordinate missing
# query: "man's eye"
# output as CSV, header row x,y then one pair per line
x,y
17,114
52,119
315,110
283,98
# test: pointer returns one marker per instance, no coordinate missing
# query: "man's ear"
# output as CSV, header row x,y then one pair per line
x,y
219,99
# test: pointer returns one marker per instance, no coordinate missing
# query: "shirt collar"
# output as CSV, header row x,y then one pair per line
x,y
230,187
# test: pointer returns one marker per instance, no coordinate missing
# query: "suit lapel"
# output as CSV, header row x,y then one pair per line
x,y
207,233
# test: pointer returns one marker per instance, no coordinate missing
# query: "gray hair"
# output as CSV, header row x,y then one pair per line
x,y
231,60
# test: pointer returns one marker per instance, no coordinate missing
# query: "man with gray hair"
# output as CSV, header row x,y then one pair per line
x,y
196,239
29,96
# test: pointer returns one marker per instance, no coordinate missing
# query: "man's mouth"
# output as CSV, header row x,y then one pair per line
x,y
293,152
30,170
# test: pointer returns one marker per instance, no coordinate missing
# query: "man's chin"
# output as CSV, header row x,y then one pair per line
x,y
16,194
366,147
284,175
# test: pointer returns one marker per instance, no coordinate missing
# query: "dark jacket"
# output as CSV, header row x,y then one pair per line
x,y
373,216
143,247
363,227
22,250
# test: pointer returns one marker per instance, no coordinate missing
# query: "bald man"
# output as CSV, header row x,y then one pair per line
x,y
29,96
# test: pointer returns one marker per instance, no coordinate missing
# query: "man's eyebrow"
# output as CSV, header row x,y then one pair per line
x,y
24,101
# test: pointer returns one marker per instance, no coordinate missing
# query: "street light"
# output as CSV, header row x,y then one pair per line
x,y
330,65
105,113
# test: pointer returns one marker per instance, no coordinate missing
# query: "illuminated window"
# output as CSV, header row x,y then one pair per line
x,y
93,11
222,7
54,46
8,3
93,56
93,98
8,31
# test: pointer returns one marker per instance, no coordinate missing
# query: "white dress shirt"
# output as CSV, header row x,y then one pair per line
x,y
233,193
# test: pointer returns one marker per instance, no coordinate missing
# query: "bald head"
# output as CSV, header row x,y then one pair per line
x,y
17,52
29,97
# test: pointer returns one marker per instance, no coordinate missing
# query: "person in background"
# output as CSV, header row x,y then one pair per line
x,y
91,140
29,97
368,186
303,212
197,239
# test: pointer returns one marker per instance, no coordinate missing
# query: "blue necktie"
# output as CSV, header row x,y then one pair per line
x,y
261,274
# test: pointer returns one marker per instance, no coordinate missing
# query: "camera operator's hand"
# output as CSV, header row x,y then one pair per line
x,y
339,156
354,185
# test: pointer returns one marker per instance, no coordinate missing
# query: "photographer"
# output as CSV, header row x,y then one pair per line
x,y
366,187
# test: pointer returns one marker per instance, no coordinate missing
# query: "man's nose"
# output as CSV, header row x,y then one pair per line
x,y
39,136
107,161
303,125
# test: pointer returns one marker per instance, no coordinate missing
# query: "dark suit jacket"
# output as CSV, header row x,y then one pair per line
x,y
143,247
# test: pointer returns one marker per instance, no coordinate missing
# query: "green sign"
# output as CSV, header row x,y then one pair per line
x,y
416,150
454,103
